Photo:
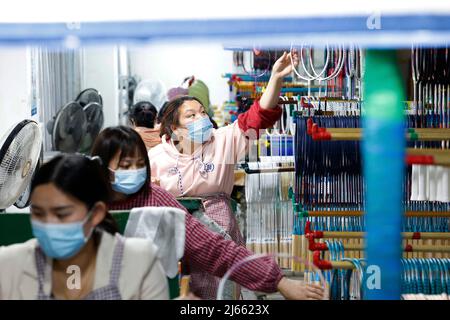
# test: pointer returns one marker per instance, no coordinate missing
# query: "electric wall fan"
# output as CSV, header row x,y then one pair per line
x,y
20,154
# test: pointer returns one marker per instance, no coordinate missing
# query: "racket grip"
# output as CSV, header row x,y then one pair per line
x,y
184,286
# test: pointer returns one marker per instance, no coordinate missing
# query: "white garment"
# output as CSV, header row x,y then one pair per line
x,y
141,278
165,227
430,183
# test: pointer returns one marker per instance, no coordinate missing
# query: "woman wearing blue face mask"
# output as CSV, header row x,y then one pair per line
x,y
77,253
124,156
123,153
195,160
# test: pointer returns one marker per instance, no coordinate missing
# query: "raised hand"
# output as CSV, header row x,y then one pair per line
x,y
283,66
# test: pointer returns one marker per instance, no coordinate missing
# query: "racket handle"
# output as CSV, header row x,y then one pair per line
x,y
184,286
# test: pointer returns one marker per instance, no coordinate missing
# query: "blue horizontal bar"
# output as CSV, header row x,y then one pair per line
x,y
347,29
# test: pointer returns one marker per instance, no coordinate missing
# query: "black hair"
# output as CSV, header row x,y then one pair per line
x,y
214,123
81,177
143,114
126,140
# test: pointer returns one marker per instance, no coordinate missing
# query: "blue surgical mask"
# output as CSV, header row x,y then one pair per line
x,y
200,130
129,181
60,240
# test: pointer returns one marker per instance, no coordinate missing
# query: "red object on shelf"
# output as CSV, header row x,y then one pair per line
x,y
322,136
416,235
314,234
321,264
235,78
318,234
309,125
308,227
408,248
410,159
316,246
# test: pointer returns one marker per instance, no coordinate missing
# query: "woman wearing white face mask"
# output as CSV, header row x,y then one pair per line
x,y
196,160
77,253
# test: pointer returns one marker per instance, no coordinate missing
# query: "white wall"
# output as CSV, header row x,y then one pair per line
x,y
15,82
171,63
14,88
101,72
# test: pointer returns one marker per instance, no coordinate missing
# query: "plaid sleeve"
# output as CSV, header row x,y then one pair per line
x,y
162,198
211,253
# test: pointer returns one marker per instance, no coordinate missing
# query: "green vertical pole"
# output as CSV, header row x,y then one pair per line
x,y
383,165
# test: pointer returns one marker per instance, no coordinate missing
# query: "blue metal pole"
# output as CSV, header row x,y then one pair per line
x,y
383,165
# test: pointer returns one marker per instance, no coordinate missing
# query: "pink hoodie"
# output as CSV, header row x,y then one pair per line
x,y
211,168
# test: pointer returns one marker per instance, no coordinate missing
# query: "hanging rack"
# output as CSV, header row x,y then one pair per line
x,y
360,235
280,169
316,246
352,134
355,234
356,213
331,265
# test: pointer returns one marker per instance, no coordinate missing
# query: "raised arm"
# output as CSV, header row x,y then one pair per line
x,y
281,68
